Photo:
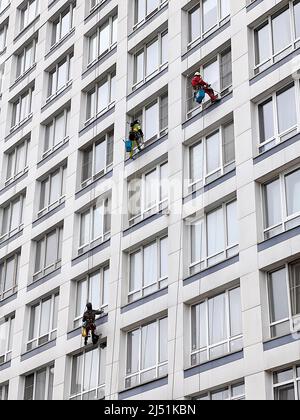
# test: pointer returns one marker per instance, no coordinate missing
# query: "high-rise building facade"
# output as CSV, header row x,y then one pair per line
x,y
192,248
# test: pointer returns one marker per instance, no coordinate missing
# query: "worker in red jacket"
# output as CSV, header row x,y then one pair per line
x,y
198,83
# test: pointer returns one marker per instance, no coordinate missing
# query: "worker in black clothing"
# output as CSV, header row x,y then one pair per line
x,y
89,318
136,136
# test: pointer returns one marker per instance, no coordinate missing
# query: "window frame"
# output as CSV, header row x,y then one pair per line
x,y
101,387
105,235
228,252
286,220
10,233
158,366
23,71
9,292
53,77
47,381
161,282
292,46
50,206
229,340
24,14
55,146
14,151
58,23
288,133
203,34
295,381
144,51
51,335
224,168
95,113
7,355
16,117
57,264
87,279
147,16
111,21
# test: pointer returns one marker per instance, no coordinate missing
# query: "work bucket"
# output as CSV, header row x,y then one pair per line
x,y
200,95
128,146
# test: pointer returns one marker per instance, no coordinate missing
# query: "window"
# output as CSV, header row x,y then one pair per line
x,y
144,9
102,40
17,162
26,58
9,273
53,190
95,225
12,218
212,157
147,353
284,299
6,338
88,375
282,203
97,159
278,117
214,238
101,97
4,392
3,5
28,13
218,73
56,132
3,37
95,3
205,18
93,288
148,194
276,37
229,393
22,109
43,322
216,327
2,69
39,385
60,77
151,59
62,25
287,384
148,269
48,253
154,119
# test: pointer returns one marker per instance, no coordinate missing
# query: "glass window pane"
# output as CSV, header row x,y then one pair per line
x,y
278,296
51,249
210,14
152,58
194,24
196,162
197,242
94,290
273,204
286,104
82,297
76,381
152,120
104,38
151,189
133,349
292,182
199,326
228,144
85,228
40,388
105,293
285,393
297,18
135,271
235,309
295,288
266,121
163,340
220,395
232,224
45,317
149,350
213,161
217,319
150,264
91,369
281,31
100,157
215,232
164,258
262,44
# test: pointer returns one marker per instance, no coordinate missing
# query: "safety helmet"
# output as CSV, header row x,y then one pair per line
x,y
197,73
136,122
89,306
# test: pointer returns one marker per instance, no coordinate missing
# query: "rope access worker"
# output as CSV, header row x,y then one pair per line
x,y
89,318
199,86
136,136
